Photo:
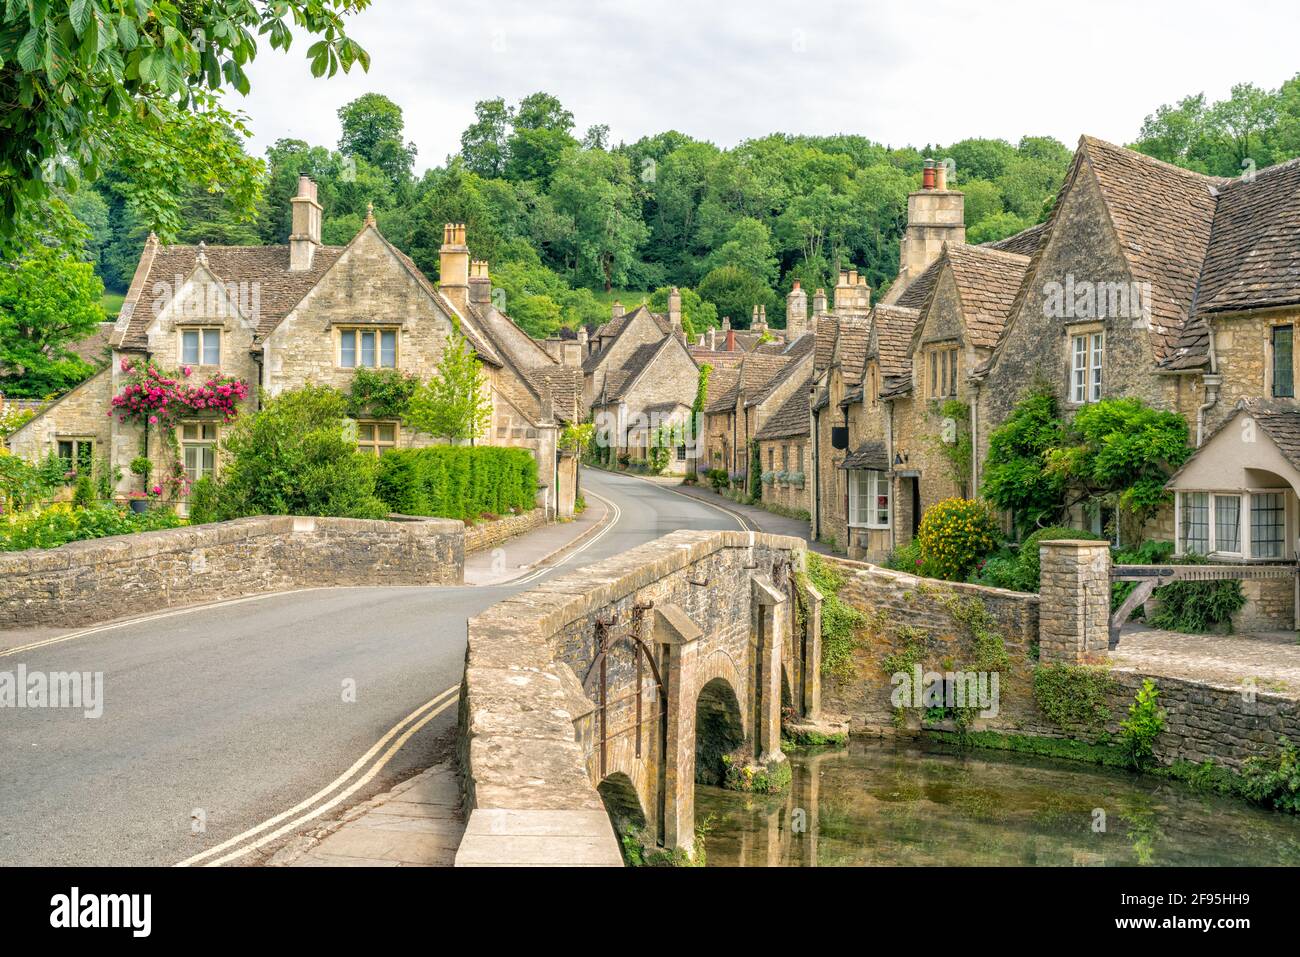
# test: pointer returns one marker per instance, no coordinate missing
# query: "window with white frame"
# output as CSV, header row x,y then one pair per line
x,y
201,347
868,499
1086,354
199,449
1250,524
368,348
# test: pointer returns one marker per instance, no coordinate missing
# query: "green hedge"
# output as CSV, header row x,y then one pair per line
x,y
456,481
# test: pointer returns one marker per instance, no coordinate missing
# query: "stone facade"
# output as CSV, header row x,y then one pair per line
x,y
96,580
277,318
487,535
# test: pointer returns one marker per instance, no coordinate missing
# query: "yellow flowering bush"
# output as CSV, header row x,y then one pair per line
x,y
954,535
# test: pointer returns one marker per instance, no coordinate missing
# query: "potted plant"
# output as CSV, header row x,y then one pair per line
x,y
141,466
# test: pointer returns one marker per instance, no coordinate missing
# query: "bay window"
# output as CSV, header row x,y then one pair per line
x,y
868,499
1247,525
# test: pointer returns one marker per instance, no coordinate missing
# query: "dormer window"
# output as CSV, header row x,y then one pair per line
x,y
201,347
367,348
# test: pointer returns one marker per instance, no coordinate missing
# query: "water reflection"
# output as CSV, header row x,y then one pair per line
x,y
891,804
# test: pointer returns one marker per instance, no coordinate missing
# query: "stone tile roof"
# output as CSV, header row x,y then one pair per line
x,y
852,349
1254,256
618,380
1162,215
891,337
791,419
279,289
918,291
96,347
802,348
987,281
827,332
722,389
895,386
868,455
1023,243
562,386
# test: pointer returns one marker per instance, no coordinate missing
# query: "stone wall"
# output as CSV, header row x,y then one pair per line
x,y
105,578
1204,721
530,720
491,534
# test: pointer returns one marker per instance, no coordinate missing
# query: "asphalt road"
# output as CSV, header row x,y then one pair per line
x,y
231,714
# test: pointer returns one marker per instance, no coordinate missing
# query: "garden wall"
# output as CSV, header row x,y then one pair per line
x,y
1204,722
487,535
101,579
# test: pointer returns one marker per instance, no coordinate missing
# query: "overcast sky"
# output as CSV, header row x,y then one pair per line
x,y
918,72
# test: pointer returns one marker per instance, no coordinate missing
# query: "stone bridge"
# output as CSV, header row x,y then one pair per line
x,y
617,685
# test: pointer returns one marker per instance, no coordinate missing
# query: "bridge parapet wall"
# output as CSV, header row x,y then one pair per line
x,y
650,627
104,578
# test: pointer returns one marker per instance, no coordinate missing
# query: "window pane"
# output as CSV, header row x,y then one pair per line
x,y
387,432
1079,369
190,346
85,454
211,347
388,349
1095,383
368,349
348,349
366,431
1267,525
1196,522
209,460
65,452
1227,523
192,463
1283,374
189,431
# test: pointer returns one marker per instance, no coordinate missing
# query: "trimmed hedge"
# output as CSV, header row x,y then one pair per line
x,y
458,481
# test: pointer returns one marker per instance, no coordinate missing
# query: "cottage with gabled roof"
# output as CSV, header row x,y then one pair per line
x,y
279,317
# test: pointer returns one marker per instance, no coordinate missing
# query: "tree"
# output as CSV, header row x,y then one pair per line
x,y
748,246
84,82
483,145
734,293
455,404
1015,476
48,301
372,130
697,315
603,231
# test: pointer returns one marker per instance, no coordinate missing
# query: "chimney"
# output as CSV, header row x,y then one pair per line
x,y
819,302
796,312
726,323
571,351
480,286
731,340
305,235
616,311
453,264
713,340
935,215
927,175
583,339
753,319
852,295
675,312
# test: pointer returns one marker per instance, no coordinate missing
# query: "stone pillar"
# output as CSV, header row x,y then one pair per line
x,y
680,638
770,611
1074,602
812,650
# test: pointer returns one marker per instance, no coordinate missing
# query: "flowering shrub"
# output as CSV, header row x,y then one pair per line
x,y
159,397
954,535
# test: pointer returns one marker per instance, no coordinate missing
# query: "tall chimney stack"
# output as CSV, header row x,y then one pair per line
x,y
453,264
819,302
935,215
304,239
616,311
675,313
480,285
796,312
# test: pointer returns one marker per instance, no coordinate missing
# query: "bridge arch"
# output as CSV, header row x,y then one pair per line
x,y
719,729
623,804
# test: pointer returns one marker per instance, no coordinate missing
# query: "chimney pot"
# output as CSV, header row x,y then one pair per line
x,y
941,175
927,175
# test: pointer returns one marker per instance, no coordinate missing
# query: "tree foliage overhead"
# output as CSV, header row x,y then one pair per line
x,y
86,82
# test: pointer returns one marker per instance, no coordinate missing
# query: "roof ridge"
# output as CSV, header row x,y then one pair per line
x,y
1154,161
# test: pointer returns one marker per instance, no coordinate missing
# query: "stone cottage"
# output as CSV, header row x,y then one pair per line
x,y
278,317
